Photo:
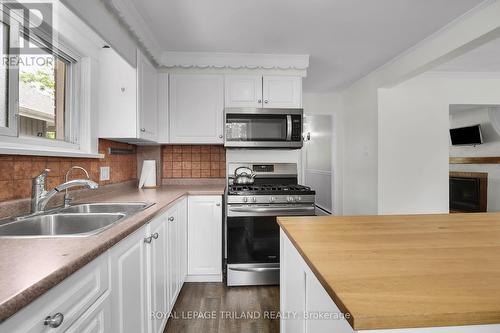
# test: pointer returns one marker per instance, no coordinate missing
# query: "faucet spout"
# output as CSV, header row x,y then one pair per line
x,y
42,203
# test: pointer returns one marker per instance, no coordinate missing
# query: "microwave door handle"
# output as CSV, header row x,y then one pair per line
x,y
288,128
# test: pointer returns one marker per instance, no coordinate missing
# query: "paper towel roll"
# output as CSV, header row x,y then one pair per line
x,y
148,174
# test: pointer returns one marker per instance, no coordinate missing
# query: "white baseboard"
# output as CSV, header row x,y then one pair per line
x,y
204,278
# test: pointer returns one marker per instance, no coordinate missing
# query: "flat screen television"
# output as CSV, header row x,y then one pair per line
x,y
470,135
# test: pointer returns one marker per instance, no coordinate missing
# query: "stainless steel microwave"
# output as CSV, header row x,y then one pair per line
x,y
263,128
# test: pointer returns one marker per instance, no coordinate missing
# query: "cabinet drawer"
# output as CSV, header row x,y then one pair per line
x,y
97,319
72,297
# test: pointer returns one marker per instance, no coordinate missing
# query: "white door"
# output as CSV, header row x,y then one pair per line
x,y
173,255
129,281
282,92
158,273
204,235
196,109
147,80
243,91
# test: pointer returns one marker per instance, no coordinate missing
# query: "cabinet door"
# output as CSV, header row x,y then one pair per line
x,y
117,96
282,92
173,254
196,109
158,273
147,79
129,281
243,91
182,211
205,235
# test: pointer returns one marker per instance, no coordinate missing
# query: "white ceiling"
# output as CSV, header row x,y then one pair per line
x,y
485,58
346,39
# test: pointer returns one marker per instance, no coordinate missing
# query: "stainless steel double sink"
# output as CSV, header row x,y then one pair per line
x,y
78,220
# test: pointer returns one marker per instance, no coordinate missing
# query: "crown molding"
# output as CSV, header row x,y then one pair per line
x,y
204,60
129,16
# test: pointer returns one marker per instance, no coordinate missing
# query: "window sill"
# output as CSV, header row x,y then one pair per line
x,y
36,150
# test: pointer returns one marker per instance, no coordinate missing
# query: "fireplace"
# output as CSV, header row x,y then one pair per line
x,y
468,192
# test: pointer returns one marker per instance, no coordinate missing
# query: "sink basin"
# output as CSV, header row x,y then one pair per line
x,y
60,225
125,207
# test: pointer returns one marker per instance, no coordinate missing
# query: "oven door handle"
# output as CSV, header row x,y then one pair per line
x,y
254,269
271,210
288,128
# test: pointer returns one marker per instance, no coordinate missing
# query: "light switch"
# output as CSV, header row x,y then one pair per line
x,y
104,174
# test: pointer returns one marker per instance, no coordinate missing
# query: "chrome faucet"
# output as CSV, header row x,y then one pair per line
x,y
67,198
40,196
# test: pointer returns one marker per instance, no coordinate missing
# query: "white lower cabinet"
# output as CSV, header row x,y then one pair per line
x,y
129,283
204,239
134,285
68,302
302,297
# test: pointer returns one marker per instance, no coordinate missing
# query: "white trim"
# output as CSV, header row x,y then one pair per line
x,y
38,150
461,75
203,60
204,278
130,17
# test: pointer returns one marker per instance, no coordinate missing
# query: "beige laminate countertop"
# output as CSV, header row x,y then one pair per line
x,y
405,271
31,266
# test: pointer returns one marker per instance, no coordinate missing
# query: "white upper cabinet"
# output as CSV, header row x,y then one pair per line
x,y
147,78
282,92
243,91
256,91
128,98
196,109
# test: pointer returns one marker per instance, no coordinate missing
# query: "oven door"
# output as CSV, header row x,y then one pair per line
x,y
252,250
263,128
252,239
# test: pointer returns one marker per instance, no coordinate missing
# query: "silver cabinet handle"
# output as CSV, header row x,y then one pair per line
x,y
171,218
155,235
221,136
218,204
54,321
143,129
148,240
259,101
266,101
122,89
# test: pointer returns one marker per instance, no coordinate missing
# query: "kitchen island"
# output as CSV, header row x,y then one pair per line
x,y
414,273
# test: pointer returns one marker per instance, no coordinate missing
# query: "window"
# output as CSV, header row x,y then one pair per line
x,y
36,88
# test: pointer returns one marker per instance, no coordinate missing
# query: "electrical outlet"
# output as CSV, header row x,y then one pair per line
x,y
104,174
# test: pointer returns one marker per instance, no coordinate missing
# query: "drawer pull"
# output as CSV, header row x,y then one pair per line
x,y
155,235
148,240
171,218
54,321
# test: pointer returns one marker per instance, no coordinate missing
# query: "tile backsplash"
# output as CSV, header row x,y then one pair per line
x,y
193,161
16,171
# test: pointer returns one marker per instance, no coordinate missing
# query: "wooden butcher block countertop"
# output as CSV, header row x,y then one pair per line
x,y
405,271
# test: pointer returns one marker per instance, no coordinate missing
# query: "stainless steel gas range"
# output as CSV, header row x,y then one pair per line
x,y
252,232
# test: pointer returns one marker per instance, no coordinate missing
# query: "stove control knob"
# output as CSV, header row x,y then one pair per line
x,y
298,198
254,199
272,199
245,199
290,199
